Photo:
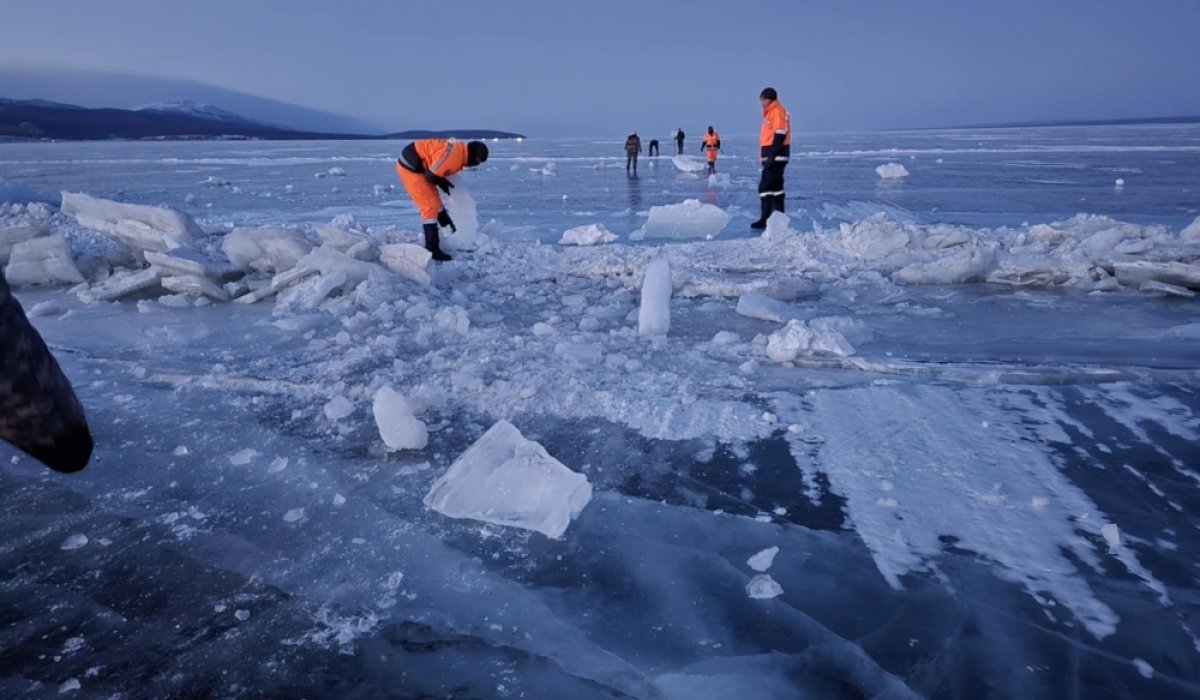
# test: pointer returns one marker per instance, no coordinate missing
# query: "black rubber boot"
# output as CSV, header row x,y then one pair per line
x,y
778,202
768,206
433,242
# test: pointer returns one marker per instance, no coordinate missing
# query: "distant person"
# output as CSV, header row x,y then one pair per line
x,y
679,140
423,167
633,146
39,412
710,145
775,147
652,151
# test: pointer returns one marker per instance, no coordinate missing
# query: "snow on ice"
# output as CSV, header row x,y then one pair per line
x,y
935,421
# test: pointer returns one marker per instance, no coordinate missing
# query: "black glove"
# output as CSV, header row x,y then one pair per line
x,y
440,181
445,220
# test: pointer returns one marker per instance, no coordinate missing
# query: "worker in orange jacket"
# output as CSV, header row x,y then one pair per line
x,y
710,145
775,147
423,167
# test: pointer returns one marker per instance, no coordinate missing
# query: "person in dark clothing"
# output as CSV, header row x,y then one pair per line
x,y
652,151
775,147
633,146
679,140
39,412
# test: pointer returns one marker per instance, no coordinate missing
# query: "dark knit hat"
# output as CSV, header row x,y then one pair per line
x,y
768,93
477,152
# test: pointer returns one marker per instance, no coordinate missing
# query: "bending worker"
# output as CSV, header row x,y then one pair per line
x,y
423,167
775,144
710,145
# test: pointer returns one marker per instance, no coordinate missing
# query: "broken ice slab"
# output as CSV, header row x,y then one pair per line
x,y
278,282
13,235
1133,274
763,307
506,479
42,260
138,226
186,261
267,249
407,260
123,284
1164,288
195,286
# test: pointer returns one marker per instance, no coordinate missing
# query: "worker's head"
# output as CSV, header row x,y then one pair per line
x,y
477,152
710,129
768,95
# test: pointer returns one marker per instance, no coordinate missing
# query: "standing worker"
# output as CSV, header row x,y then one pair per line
x,y
679,140
423,167
633,146
775,147
710,145
652,151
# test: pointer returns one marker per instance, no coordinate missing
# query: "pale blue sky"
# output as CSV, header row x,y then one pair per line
x,y
557,67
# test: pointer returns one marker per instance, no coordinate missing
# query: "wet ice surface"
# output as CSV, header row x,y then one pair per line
x,y
993,495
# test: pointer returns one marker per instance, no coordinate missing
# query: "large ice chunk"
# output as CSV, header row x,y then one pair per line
x,y
506,479
761,306
891,171
42,260
186,261
689,219
407,260
12,235
266,249
590,234
654,315
1139,272
817,337
138,226
461,208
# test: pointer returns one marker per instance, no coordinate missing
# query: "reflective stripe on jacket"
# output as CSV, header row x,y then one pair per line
x,y
776,120
442,157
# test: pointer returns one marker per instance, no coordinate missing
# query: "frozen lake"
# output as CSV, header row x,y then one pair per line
x,y
986,487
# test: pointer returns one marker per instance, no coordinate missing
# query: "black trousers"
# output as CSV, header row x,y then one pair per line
x,y
771,183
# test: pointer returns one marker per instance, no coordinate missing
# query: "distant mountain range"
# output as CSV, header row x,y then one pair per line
x,y
28,120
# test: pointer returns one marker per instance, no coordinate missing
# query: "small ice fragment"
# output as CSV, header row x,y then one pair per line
x,y
763,560
339,407
1112,535
762,587
243,456
68,686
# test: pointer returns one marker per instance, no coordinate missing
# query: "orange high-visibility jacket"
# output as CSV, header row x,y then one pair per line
x,y
712,140
442,157
775,121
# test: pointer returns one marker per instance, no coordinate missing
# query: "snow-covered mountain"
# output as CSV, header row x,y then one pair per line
x,y
204,111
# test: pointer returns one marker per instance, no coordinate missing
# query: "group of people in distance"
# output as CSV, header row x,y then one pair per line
x,y
774,144
424,166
